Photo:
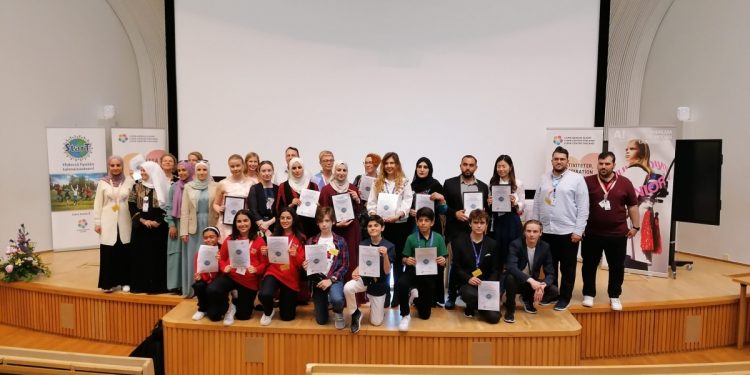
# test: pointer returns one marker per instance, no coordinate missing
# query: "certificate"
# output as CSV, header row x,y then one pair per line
x,y
207,261
369,261
317,259
387,204
473,201
426,260
278,249
342,207
423,200
489,296
309,203
231,206
365,186
501,198
239,254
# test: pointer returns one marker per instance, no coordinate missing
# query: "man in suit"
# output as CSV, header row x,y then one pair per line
x,y
475,259
527,257
456,218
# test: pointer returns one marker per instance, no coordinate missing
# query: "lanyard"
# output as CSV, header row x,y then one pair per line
x,y
607,188
430,239
393,191
477,254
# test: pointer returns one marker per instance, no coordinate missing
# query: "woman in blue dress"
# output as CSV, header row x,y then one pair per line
x,y
175,246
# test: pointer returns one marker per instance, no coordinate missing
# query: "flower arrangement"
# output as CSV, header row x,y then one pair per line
x,y
20,262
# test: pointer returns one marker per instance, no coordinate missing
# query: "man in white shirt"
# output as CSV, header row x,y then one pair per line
x,y
561,204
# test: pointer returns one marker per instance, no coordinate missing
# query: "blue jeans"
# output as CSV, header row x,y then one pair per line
x,y
334,294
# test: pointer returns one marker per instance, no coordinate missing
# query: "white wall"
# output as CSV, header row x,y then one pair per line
x,y
61,61
700,58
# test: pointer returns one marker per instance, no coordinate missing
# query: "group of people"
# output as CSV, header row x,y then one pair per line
x,y
151,230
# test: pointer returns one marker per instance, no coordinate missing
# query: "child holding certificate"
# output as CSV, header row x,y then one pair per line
x,y
243,279
329,286
374,286
414,284
203,279
284,278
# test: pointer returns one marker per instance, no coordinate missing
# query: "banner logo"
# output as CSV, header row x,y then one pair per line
x,y
77,147
83,223
123,138
557,140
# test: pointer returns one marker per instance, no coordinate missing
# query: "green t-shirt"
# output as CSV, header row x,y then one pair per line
x,y
416,240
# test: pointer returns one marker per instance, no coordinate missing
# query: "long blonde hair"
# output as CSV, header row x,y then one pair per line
x,y
400,177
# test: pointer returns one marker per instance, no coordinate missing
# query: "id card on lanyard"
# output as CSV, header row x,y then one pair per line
x,y
604,204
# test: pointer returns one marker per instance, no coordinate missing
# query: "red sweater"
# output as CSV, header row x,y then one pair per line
x,y
289,274
208,277
248,280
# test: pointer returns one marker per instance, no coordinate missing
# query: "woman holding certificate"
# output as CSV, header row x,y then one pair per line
x,y
364,184
344,199
241,265
508,196
147,201
236,186
290,195
391,198
197,212
112,222
261,199
175,245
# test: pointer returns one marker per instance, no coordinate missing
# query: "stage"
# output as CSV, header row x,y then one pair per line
x,y
696,311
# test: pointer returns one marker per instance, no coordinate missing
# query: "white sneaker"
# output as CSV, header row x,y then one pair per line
x,y
588,301
615,304
413,294
266,319
198,315
229,316
126,288
403,325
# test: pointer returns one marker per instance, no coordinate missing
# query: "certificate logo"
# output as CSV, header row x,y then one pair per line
x,y
238,252
278,253
368,263
425,261
123,138
488,296
557,140
316,261
77,147
206,263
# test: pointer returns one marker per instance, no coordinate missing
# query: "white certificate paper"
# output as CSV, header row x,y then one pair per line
x,y
473,201
387,205
239,255
278,249
231,206
309,203
426,260
317,259
423,200
207,261
489,296
342,207
501,198
365,186
369,261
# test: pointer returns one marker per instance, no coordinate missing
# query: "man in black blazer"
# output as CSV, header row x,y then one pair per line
x,y
456,218
527,257
475,259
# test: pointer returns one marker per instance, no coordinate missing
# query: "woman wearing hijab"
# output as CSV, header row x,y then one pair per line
x,y
197,212
112,222
175,246
290,190
147,202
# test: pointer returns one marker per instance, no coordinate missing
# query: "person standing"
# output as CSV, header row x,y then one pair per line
x,y
175,245
613,200
323,178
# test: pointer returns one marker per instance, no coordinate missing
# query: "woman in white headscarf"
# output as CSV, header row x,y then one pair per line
x,y
349,229
290,190
147,202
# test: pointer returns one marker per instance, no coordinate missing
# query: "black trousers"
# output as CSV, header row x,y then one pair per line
x,y
218,299
396,233
565,258
512,287
287,298
200,290
614,249
425,284
470,296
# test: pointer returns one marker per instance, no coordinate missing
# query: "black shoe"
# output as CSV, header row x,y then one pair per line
x,y
356,320
529,307
509,317
468,314
259,307
450,304
550,301
394,303
562,305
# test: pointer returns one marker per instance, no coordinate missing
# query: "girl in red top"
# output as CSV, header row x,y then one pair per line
x,y
204,279
284,277
245,281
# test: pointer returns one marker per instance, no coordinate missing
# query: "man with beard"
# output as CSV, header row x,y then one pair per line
x,y
612,200
561,204
456,219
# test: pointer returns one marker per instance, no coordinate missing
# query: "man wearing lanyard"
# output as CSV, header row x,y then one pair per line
x,y
612,200
561,204
476,258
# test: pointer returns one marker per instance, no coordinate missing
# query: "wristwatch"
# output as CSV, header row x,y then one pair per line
x,y
334,279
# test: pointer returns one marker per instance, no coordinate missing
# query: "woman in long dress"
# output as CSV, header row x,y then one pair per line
x,y
506,226
349,229
175,245
235,185
289,194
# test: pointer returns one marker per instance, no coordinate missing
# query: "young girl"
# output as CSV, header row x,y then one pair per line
x,y
506,226
261,199
245,281
329,286
235,185
284,278
204,279
251,166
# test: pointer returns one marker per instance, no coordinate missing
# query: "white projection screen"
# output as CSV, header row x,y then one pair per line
x,y
435,78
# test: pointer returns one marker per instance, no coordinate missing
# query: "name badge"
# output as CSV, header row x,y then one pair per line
x,y
145,204
605,205
477,272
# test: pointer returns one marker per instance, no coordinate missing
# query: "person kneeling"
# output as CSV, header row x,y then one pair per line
x,y
527,256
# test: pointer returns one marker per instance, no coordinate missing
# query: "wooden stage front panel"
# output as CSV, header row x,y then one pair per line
x,y
447,338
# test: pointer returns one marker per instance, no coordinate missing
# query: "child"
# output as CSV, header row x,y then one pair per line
x,y
202,280
376,287
330,285
410,286
284,278
244,280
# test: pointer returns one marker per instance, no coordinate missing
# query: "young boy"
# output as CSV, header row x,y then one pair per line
x,y
210,238
329,286
410,286
376,287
